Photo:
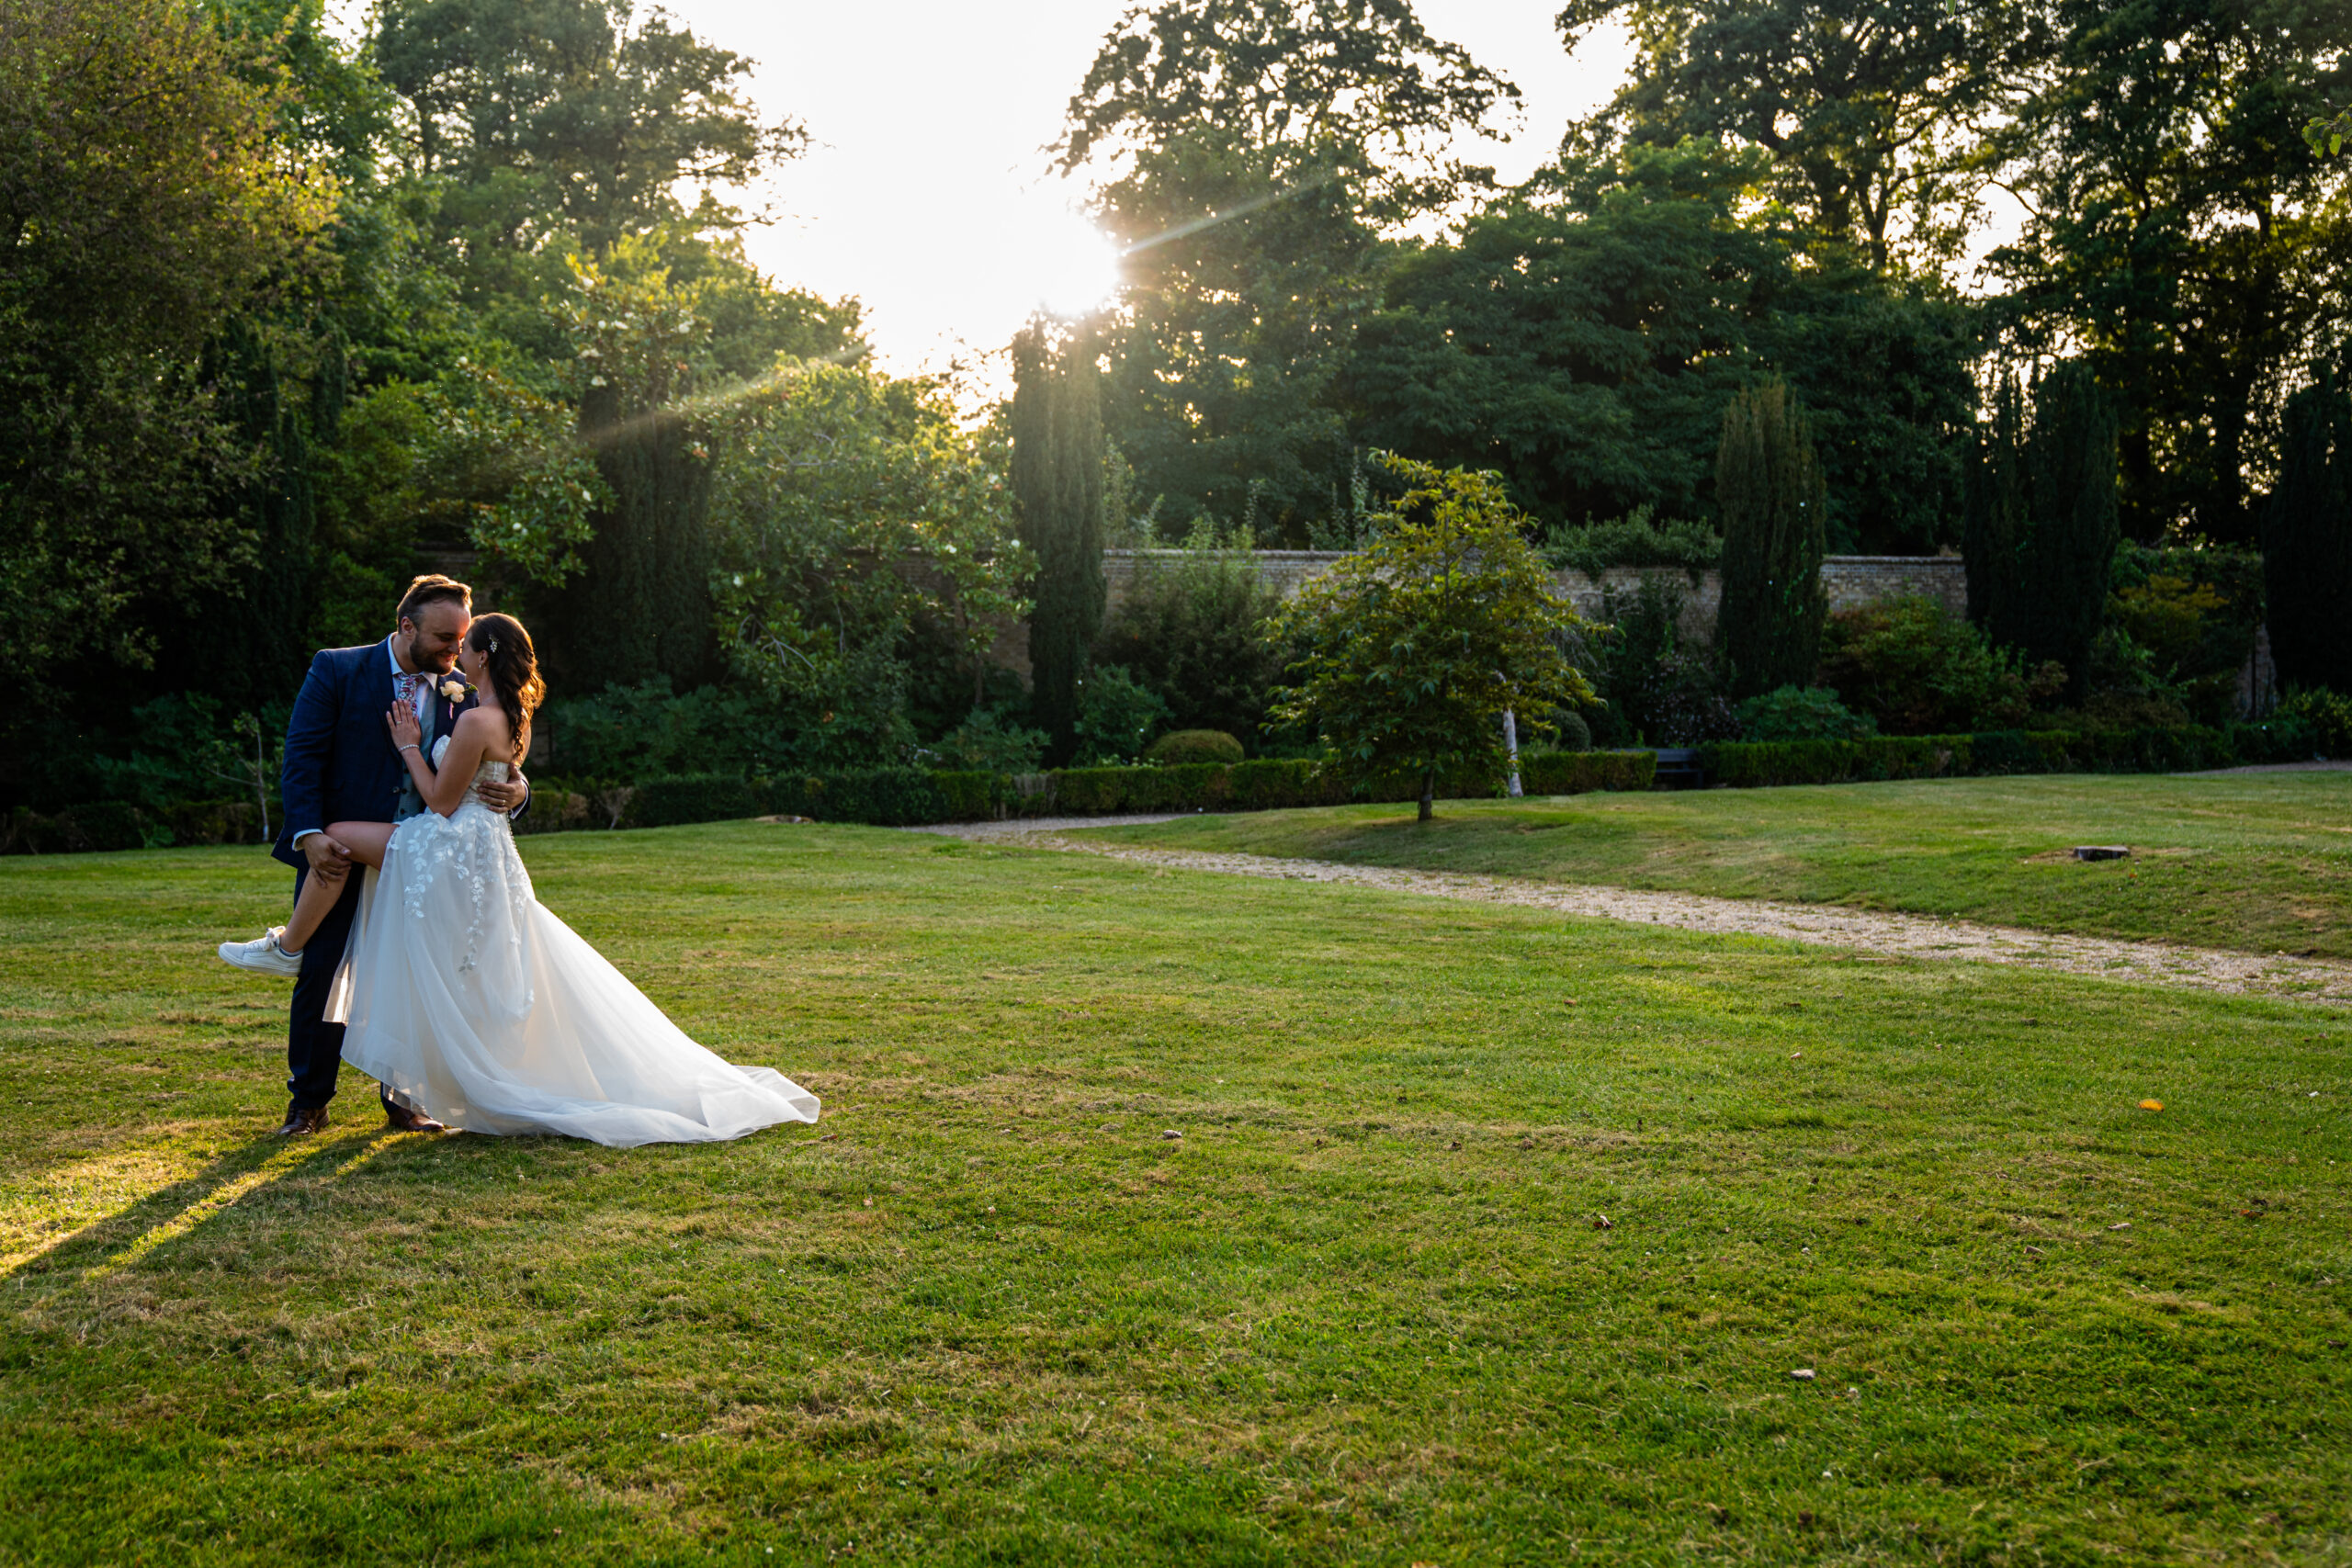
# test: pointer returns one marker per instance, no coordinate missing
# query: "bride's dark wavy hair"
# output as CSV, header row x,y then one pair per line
x,y
513,671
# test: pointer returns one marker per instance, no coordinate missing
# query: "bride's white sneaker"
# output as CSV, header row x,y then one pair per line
x,y
263,955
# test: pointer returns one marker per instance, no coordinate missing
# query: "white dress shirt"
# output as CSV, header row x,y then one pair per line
x,y
423,697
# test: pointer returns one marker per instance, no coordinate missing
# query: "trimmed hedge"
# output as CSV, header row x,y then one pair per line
x,y
1274,783
101,825
913,796
902,797
1576,773
691,797
2188,748
887,798
1096,791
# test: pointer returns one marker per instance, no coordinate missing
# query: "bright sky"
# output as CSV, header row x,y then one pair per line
x,y
926,192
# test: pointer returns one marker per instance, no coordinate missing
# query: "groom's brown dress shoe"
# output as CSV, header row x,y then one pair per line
x,y
403,1119
301,1123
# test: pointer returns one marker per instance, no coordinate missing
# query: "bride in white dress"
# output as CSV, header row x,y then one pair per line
x,y
468,1001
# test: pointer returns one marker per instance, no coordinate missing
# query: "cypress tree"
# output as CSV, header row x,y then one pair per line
x,y
2307,538
1994,518
1767,627
642,604
1058,485
2063,559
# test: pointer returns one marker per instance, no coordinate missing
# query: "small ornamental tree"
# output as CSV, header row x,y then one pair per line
x,y
1768,628
1414,649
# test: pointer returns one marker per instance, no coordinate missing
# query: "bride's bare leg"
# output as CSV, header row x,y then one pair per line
x,y
366,840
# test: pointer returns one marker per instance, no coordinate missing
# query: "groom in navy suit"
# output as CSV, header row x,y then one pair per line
x,y
342,766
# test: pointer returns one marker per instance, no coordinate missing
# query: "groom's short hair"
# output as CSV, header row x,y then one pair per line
x,y
431,589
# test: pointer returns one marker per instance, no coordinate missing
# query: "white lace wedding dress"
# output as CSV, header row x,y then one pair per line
x,y
468,1001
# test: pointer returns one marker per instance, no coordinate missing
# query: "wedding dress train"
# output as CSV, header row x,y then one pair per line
x,y
468,1001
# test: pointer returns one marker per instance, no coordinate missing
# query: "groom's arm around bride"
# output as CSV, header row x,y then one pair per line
x,y
342,766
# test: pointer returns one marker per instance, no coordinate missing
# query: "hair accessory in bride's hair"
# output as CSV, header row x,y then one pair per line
x,y
494,642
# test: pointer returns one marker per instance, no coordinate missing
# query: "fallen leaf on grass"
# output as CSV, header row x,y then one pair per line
x,y
1802,1375
1603,1223
2152,1105
2125,1226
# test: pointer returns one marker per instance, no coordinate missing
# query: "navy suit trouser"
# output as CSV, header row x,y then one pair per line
x,y
314,1046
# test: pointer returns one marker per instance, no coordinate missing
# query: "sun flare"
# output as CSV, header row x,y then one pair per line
x,y
1076,266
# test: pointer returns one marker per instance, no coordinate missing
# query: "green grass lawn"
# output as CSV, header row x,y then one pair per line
x,y
1360,1312
2258,861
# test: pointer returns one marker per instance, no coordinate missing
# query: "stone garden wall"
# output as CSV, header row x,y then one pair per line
x,y
1852,580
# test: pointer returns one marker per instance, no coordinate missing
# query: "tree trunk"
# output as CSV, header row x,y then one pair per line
x,y
1429,793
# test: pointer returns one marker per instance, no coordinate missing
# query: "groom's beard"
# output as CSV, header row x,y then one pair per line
x,y
421,663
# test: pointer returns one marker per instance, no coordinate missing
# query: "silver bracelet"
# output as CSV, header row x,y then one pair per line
x,y
411,746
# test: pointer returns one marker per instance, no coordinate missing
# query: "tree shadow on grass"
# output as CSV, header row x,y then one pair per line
x,y
115,1241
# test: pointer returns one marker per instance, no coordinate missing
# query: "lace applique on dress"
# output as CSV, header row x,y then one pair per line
x,y
472,849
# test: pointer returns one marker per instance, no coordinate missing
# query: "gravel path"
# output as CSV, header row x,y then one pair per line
x,y
1911,936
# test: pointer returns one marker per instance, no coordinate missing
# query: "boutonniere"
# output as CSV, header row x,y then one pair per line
x,y
455,691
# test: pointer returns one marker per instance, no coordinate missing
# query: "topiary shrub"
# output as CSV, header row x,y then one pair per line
x,y
1802,713
1194,746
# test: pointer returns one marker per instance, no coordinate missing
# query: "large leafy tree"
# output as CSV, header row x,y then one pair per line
x,y
146,204
2182,230
545,127
846,508
1252,154
1869,110
1584,337
1412,649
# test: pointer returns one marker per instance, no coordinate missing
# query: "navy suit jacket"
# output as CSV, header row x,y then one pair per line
x,y
341,764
